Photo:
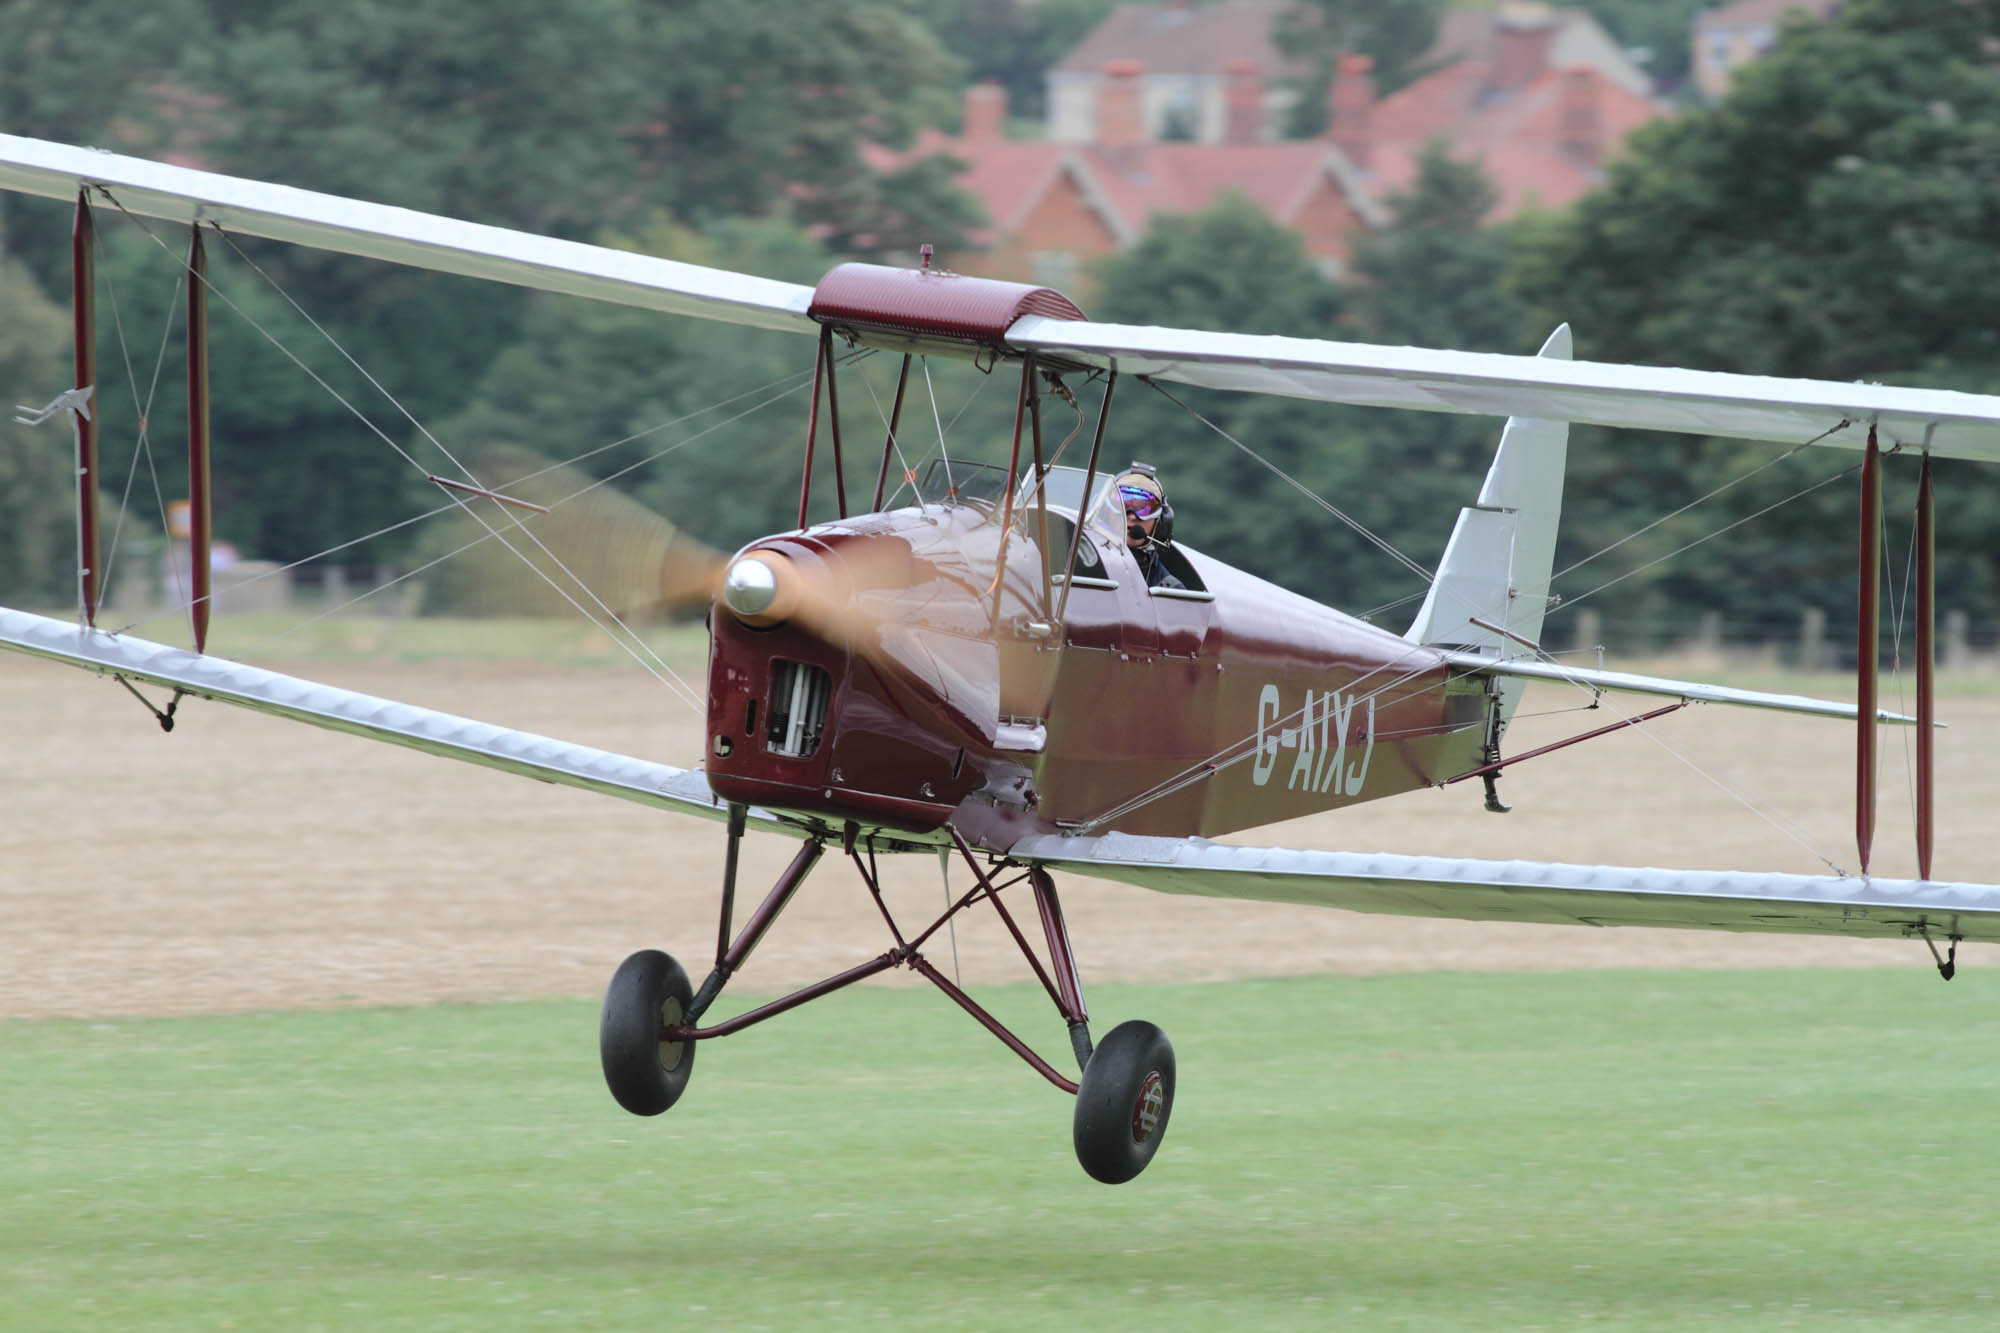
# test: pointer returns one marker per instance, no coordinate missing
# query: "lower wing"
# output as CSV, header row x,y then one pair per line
x,y
1357,881
1476,890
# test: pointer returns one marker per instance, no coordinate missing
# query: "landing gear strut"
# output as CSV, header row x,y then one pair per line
x,y
649,1031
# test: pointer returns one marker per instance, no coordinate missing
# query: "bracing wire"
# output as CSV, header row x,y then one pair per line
x,y
1380,543
142,445
632,643
1570,601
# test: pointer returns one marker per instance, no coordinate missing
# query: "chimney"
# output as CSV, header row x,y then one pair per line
x,y
1243,97
1350,108
1521,38
985,113
1121,113
1581,122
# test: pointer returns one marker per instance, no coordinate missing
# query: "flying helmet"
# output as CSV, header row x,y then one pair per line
x,y
1140,481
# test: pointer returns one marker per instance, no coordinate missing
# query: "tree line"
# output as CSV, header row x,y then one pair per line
x,y
1832,219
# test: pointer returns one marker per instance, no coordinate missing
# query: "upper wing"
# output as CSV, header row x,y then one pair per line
x,y
1700,402
1792,411
329,222
1475,890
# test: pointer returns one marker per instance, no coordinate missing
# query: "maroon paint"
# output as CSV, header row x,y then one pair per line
x,y
774,903
83,305
929,306
820,364
880,963
200,531
1013,470
1060,955
1619,725
833,423
1135,693
992,895
1089,481
992,1024
1926,667
1868,649
889,443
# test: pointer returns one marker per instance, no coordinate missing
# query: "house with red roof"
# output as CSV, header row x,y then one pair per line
x,y
1537,96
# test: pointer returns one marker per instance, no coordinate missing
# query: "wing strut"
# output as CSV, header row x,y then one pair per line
x,y
821,364
200,530
83,303
1868,648
1926,666
889,444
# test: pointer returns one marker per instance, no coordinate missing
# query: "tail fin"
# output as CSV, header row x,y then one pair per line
x,y
1496,567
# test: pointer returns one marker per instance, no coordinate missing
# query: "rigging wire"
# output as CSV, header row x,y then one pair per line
x,y
142,445
632,643
1380,543
944,428
690,696
1568,602
1899,610
909,473
1843,424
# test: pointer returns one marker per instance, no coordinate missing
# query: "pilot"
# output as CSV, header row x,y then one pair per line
x,y
1146,515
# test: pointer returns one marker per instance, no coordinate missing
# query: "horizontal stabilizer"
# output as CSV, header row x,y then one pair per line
x,y
1693,691
1473,890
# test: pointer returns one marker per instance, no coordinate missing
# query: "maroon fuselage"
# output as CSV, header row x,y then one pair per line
x,y
1141,711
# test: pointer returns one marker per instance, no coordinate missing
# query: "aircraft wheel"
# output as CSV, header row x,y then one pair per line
x,y
1123,1101
648,993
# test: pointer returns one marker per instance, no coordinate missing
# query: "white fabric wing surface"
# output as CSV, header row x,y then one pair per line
x,y
1699,402
1476,890
1787,411
403,236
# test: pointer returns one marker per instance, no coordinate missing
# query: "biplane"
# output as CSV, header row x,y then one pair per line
x,y
985,670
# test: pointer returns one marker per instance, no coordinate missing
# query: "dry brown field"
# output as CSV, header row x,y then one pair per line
x,y
247,863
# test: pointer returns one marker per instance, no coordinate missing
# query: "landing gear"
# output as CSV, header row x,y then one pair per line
x,y
653,1017
648,995
1123,1103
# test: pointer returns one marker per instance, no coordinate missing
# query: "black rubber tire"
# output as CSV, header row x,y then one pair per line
x,y
648,992
1123,1101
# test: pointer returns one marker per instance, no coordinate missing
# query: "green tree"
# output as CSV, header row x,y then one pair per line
x,y
1435,276
1833,218
765,109
96,72
37,464
665,429
623,111
1231,268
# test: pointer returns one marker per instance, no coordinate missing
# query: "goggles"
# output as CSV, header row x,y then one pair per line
x,y
1141,503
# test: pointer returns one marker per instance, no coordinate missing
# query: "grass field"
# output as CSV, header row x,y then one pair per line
x,y
1609,1150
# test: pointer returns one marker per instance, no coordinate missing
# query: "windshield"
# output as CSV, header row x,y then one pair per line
x,y
954,482
1065,492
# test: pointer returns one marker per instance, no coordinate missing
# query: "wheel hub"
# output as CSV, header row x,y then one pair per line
x,y
1146,1107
